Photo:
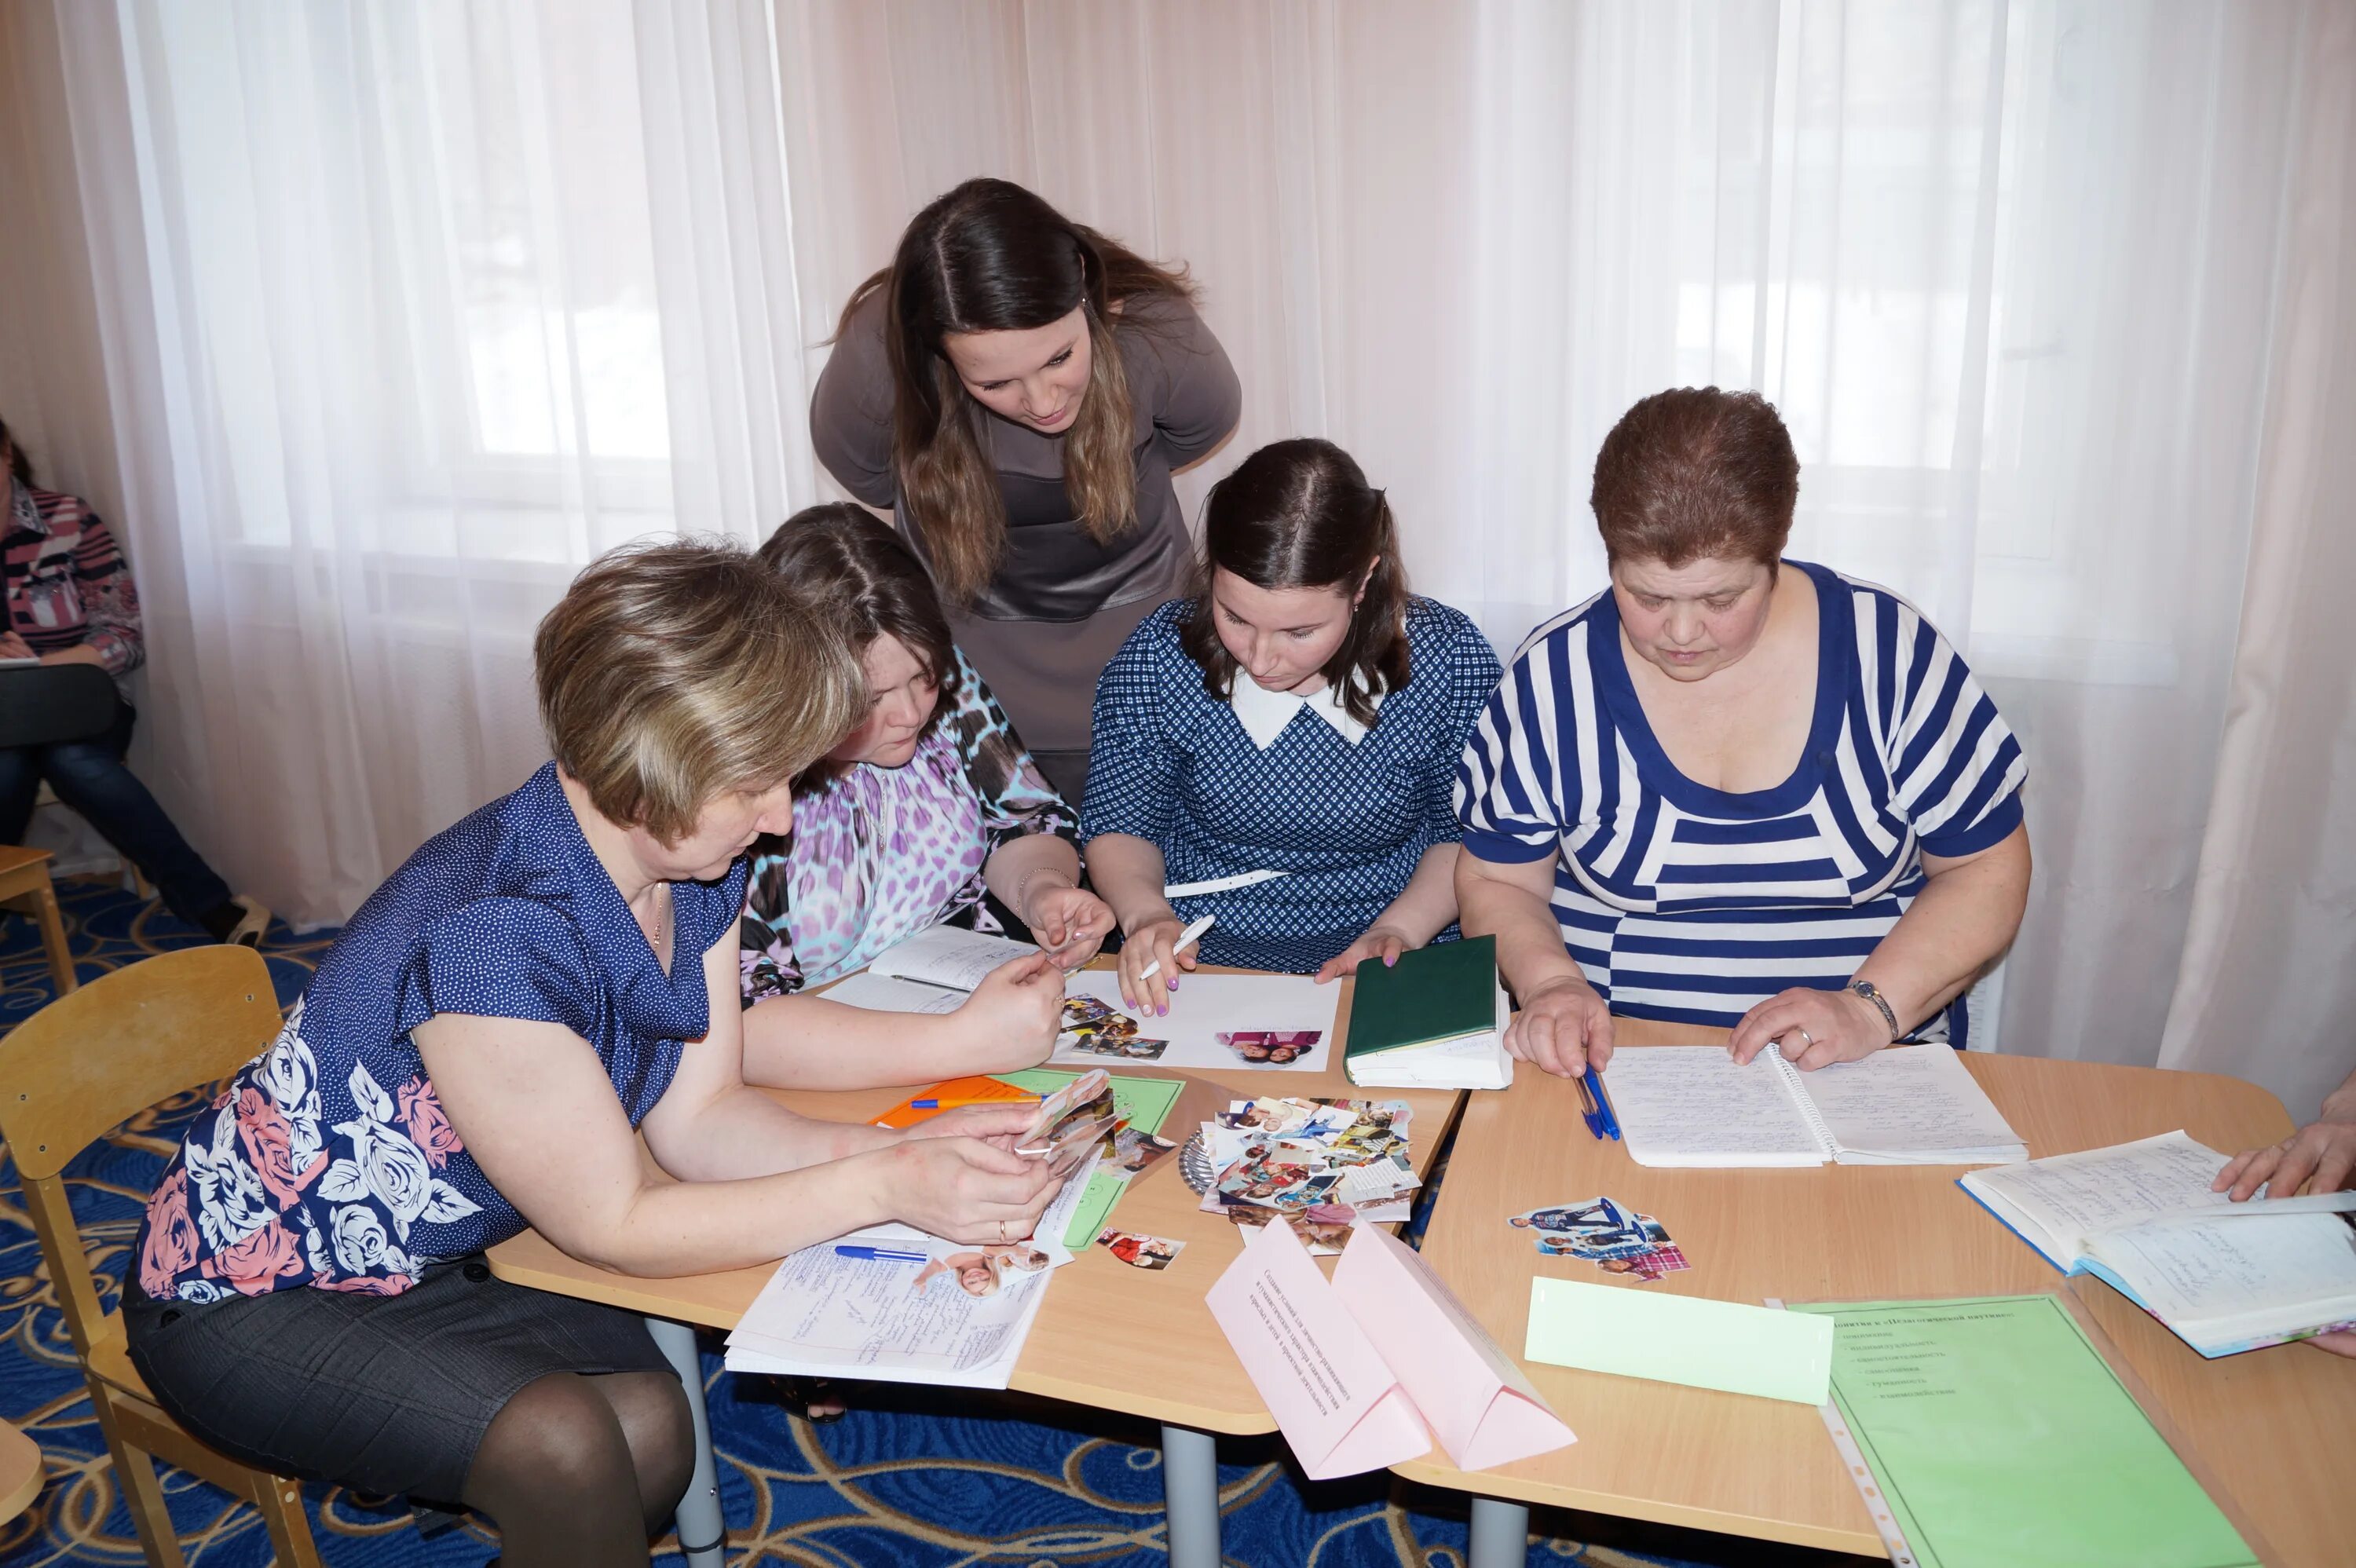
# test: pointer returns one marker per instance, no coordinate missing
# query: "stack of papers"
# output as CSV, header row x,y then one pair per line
x,y
1436,1020
896,1304
1319,1166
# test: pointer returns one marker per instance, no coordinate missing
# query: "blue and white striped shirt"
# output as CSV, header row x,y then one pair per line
x,y
1692,904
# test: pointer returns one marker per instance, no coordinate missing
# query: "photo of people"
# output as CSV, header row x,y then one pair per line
x,y
1324,1228
1071,1119
1134,1151
1139,1251
978,1272
1607,1233
1270,1047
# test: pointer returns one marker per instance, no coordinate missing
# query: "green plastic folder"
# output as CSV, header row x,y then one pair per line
x,y
1440,992
2001,1439
1689,1340
1145,1102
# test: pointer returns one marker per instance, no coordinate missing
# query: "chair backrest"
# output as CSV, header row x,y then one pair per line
x,y
90,1060
56,704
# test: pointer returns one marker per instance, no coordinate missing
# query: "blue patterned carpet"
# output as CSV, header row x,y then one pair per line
x,y
909,1476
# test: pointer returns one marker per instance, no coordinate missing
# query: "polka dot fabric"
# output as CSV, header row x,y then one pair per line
x,y
327,1161
1172,764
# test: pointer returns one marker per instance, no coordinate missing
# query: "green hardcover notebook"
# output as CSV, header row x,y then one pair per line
x,y
1446,991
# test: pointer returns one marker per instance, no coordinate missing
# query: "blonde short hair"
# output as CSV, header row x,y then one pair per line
x,y
671,672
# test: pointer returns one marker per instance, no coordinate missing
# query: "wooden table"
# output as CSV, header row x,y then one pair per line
x,y
1108,1336
21,1472
2274,1426
25,888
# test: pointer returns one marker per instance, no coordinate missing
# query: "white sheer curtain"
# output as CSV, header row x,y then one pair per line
x,y
409,308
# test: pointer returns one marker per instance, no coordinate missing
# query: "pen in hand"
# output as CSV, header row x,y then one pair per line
x,y
1186,939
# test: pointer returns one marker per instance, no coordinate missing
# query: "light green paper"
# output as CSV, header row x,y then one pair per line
x,y
1687,1340
2001,1438
1145,1102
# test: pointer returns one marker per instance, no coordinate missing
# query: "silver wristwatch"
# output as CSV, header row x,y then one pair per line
x,y
1872,993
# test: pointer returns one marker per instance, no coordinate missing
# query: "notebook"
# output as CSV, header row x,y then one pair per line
x,y
1436,1020
1908,1104
930,972
2224,1278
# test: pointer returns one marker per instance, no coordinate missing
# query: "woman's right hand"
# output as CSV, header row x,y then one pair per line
x,y
1020,1002
966,1189
1155,939
1563,1028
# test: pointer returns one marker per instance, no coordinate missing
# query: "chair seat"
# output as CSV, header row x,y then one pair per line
x,y
110,1358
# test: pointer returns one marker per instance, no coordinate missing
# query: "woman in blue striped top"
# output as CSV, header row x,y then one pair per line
x,y
1735,790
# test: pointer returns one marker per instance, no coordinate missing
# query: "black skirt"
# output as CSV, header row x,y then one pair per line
x,y
383,1393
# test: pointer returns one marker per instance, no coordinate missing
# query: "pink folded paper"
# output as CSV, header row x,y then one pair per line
x,y
1351,1368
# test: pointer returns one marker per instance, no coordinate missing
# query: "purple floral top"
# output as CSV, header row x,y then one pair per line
x,y
327,1160
878,854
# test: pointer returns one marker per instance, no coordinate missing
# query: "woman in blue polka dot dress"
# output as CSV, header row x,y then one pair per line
x,y
1288,736
536,988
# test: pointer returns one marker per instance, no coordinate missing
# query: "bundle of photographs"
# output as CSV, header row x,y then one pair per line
x,y
1607,1233
1321,1167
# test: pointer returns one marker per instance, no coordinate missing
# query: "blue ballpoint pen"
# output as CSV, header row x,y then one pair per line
x,y
1611,1124
880,1255
1586,1108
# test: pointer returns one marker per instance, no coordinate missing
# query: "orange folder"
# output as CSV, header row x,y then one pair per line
x,y
975,1090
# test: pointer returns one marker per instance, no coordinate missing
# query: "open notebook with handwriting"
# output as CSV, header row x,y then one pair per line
x,y
1913,1104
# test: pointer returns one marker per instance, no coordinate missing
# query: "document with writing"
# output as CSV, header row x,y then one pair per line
x,y
1695,1105
931,972
1352,1368
2224,1276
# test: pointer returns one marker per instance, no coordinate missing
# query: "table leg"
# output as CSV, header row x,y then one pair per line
x,y
702,1534
1501,1534
1189,1496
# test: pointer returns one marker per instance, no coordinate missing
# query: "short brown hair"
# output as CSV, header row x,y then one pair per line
x,y
1697,473
1299,514
864,581
673,671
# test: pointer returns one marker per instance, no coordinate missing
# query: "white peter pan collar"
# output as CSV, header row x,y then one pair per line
x,y
1264,713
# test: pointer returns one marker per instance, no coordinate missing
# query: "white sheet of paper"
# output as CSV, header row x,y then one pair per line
x,y
881,994
823,1313
948,955
1205,1007
1908,1099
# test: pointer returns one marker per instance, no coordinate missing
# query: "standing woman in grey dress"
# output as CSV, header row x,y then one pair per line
x,y
1018,388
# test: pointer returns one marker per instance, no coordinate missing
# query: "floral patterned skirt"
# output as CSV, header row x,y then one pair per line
x,y
385,1393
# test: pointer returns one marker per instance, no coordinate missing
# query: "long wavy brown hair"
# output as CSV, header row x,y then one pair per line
x,y
989,256
1299,514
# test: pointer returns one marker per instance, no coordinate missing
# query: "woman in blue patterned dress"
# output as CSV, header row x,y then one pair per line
x,y
930,812
1736,789
1301,715
499,1022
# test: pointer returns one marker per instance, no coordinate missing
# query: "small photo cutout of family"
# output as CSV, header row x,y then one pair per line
x,y
1607,1233
1270,1047
1102,1029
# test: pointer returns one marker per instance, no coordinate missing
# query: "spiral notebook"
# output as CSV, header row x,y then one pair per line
x,y
1914,1104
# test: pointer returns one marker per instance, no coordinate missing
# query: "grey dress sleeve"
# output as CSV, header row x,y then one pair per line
x,y
1196,399
850,412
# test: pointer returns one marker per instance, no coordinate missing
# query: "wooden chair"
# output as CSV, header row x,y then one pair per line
x,y
24,887
21,1472
71,1074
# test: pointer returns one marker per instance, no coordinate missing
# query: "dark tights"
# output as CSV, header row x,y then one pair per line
x,y
581,1471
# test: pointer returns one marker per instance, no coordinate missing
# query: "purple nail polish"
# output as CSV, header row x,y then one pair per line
x,y
1172,982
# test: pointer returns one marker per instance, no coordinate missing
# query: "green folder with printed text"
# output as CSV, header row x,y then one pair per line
x,y
2001,1439
1144,1102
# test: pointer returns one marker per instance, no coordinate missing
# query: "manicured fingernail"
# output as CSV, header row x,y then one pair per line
x,y
1391,962
1173,982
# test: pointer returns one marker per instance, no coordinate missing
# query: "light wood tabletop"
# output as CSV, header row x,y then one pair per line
x,y
2274,1426
21,1472
1108,1335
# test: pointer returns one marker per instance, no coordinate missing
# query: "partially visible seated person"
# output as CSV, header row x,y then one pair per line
x,y
1736,789
929,812
2318,1158
536,987
70,599
1302,714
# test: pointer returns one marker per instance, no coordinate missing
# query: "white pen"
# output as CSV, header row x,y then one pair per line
x,y
1186,940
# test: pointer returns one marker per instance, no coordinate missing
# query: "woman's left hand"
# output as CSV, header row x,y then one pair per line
x,y
1815,1028
1381,942
1070,923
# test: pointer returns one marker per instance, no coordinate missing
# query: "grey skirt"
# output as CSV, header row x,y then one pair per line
x,y
383,1393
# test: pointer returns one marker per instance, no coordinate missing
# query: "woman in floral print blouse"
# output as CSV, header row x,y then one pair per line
x,y
931,811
